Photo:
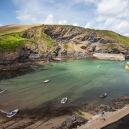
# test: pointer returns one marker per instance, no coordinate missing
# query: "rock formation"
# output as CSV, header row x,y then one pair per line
x,y
127,66
49,42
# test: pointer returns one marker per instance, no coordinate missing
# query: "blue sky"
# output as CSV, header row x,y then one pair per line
x,y
97,14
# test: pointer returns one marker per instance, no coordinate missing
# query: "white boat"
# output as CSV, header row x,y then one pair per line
x,y
45,81
64,100
2,90
99,66
12,113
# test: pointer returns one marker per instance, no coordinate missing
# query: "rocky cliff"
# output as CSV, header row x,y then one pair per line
x,y
46,42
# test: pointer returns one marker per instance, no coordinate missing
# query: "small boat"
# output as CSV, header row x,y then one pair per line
x,y
99,66
64,100
103,95
46,81
2,90
12,113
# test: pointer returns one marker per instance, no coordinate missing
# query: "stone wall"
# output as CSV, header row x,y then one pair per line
x,y
108,56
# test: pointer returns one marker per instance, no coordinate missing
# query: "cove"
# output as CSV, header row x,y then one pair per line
x,y
81,81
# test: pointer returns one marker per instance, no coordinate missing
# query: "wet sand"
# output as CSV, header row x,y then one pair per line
x,y
47,117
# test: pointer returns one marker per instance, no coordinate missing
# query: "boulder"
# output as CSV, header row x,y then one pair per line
x,y
72,122
127,66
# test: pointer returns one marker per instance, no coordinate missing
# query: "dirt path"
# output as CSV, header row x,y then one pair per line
x,y
111,117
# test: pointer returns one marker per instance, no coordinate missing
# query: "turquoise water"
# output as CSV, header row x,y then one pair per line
x,y
79,80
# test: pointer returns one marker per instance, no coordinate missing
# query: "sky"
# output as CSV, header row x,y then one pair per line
x,y
96,14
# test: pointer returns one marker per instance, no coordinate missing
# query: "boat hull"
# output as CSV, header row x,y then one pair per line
x,y
11,114
64,100
103,96
2,90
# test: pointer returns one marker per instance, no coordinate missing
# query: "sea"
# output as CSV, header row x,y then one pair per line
x,y
81,81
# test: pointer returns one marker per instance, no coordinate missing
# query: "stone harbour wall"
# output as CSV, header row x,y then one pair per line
x,y
108,56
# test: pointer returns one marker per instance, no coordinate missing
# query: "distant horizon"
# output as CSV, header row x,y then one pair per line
x,y
95,14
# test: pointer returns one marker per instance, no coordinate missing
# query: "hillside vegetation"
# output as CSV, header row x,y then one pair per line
x,y
11,42
28,40
14,28
110,35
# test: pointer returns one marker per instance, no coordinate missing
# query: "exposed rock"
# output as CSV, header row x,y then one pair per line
x,y
112,106
46,42
104,41
73,122
127,66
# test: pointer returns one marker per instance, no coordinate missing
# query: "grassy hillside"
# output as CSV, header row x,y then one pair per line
x,y
14,40
110,35
11,42
15,28
11,39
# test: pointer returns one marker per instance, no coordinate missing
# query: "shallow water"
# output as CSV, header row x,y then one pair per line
x,y
79,80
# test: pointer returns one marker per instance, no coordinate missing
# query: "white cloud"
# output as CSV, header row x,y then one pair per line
x,y
87,1
62,21
111,15
100,18
123,24
49,19
112,7
97,14
38,10
127,34
88,25
75,24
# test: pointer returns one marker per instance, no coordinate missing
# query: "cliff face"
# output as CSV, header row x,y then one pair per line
x,y
77,41
49,41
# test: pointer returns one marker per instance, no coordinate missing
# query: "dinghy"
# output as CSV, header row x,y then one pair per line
x,y
99,66
12,113
64,100
103,95
2,90
46,81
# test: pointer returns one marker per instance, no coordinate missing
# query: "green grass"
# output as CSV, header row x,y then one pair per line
x,y
80,113
111,46
65,47
45,39
11,42
110,35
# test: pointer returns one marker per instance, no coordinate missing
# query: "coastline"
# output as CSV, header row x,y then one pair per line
x,y
111,117
47,121
49,117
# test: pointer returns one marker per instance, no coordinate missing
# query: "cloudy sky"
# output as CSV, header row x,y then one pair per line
x,y
97,14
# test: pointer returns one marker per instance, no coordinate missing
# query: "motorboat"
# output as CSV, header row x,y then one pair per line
x,y
103,95
12,113
2,90
46,81
64,100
